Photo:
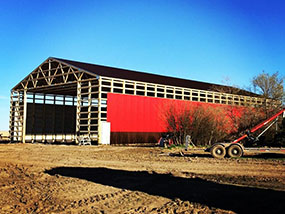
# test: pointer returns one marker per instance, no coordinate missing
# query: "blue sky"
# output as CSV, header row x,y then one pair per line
x,y
204,40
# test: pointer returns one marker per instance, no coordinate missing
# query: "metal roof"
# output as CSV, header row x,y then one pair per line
x,y
144,77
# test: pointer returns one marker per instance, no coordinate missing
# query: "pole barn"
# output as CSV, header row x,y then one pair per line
x,y
63,99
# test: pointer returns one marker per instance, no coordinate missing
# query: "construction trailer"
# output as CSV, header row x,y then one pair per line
x,y
62,100
237,149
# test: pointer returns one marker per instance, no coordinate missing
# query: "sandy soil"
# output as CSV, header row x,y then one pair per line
x,y
105,179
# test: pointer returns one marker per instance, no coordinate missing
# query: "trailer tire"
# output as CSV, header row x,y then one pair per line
x,y
218,151
235,151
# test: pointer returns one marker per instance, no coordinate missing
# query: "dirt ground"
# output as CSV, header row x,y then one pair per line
x,y
106,179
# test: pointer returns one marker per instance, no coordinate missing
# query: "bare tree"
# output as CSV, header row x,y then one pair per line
x,y
227,87
205,124
243,118
269,86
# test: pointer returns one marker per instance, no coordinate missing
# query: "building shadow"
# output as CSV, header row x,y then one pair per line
x,y
205,155
229,197
266,156
5,142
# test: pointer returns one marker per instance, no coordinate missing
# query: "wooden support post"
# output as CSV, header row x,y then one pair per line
x,y
24,116
49,69
19,120
99,108
89,107
53,119
78,109
33,117
63,119
43,138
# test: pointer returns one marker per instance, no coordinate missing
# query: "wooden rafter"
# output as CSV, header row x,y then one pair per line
x,y
73,72
46,79
56,74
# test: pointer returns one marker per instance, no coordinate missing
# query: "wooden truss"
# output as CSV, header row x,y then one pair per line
x,y
52,73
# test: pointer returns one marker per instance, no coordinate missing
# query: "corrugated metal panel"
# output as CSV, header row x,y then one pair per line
x,y
129,113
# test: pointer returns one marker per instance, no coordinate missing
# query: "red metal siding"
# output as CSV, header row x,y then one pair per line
x,y
130,113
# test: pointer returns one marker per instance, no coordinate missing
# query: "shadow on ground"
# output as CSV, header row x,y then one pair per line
x,y
206,155
266,156
5,142
248,155
229,197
